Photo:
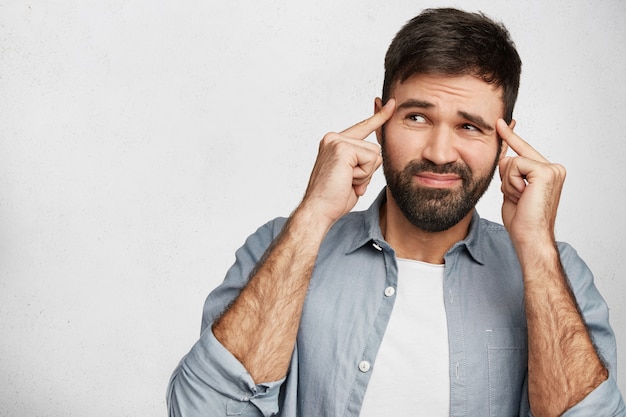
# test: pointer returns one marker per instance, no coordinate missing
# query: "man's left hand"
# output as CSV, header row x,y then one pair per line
x,y
531,186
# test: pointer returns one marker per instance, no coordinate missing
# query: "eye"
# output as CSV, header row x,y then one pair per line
x,y
416,117
469,127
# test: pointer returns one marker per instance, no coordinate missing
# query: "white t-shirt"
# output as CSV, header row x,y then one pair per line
x,y
410,376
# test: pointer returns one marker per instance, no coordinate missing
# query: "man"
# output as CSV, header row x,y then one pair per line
x,y
415,306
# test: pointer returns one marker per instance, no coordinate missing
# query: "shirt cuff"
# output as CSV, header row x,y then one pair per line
x,y
214,369
605,400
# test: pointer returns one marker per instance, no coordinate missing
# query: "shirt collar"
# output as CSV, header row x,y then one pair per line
x,y
370,232
472,242
370,228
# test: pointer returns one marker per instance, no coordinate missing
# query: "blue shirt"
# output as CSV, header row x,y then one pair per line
x,y
347,310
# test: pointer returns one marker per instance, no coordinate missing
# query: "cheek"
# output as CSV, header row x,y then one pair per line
x,y
480,159
397,155
402,144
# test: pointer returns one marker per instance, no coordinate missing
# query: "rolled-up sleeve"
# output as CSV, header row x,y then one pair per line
x,y
606,399
209,380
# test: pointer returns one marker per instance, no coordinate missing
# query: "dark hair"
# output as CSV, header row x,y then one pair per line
x,y
453,42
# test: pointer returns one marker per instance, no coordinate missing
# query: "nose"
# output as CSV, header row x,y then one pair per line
x,y
441,146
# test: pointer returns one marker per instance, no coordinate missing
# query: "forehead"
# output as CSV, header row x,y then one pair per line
x,y
465,92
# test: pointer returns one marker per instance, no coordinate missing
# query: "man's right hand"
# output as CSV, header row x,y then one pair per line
x,y
261,326
344,167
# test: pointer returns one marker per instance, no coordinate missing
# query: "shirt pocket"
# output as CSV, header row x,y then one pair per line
x,y
508,364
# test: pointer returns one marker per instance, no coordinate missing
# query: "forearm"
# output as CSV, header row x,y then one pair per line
x,y
261,326
563,365
258,330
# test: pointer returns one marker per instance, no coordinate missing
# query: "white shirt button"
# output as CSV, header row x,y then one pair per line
x,y
364,366
389,291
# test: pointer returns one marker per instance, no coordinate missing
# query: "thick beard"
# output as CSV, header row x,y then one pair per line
x,y
435,209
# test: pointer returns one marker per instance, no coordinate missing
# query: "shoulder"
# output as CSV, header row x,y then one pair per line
x,y
493,237
489,230
490,237
353,226
493,229
267,232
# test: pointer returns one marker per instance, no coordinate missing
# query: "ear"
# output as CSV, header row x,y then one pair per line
x,y
378,104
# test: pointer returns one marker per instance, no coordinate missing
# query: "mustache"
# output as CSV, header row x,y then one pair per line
x,y
418,166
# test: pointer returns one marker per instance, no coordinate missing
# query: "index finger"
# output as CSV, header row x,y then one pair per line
x,y
519,145
363,129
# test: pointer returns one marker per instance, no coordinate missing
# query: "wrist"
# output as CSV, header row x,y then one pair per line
x,y
319,212
539,260
310,223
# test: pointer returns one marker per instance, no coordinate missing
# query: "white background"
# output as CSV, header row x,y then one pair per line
x,y
142,141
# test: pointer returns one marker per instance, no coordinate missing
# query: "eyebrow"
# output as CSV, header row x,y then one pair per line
x,y
412,103
477,120
423,104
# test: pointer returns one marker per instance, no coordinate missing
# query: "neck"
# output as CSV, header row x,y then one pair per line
x,y
411,242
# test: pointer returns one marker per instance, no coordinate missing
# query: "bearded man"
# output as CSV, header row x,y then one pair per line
x,y
416,306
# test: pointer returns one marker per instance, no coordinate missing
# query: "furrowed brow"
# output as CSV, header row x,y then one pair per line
x,y
409,104
477,120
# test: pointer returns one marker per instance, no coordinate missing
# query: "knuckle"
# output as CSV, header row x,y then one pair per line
x,y
558,170
328,138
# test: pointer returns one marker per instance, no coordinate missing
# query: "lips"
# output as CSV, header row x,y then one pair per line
x,y
445,180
